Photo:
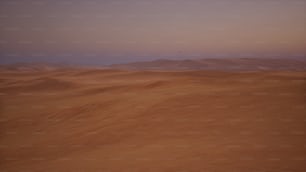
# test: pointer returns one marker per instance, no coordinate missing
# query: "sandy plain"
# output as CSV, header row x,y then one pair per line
x,y
123,120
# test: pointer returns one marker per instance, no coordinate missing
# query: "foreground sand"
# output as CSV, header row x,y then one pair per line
x,y
111,120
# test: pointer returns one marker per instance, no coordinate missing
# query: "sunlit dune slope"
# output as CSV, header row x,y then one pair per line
x,y
120,120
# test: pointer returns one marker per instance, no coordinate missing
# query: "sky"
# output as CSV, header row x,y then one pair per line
x,y
119,31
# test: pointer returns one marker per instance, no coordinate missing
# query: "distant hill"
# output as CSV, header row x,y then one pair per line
x,y
31,67
225,64
218,64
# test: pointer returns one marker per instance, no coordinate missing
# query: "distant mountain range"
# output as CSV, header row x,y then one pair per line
x,y
218,64
229,64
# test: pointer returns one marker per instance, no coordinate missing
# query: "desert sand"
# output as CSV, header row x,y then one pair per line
x,y
177,121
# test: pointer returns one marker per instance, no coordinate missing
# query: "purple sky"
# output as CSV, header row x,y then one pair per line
x,y
113,31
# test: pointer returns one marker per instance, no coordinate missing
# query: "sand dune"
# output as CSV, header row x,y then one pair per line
x,y
39,84
120,120
229,64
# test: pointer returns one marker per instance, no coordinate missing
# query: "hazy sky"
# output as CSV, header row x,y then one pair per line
x,y
111,31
